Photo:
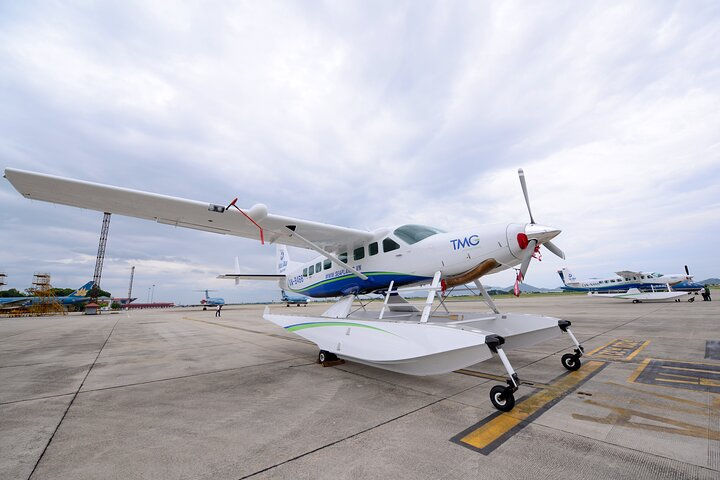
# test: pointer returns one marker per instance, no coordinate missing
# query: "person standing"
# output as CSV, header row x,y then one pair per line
x,y
706,295
217,310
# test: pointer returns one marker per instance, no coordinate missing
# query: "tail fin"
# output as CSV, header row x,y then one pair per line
x,y
237,270
282,259
83,291
207,297
566,276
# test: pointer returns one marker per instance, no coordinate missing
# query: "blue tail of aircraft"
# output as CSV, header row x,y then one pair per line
x,y
83,291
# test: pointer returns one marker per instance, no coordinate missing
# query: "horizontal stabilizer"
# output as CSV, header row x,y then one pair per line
x,y
251,276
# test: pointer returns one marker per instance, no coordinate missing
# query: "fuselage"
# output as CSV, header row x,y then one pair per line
x,y
413,253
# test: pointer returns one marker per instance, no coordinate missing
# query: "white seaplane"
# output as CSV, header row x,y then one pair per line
x,y
390,261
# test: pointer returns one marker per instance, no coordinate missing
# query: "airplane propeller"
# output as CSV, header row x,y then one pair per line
x,y
537,231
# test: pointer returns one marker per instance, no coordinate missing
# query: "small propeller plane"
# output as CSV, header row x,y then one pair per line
x,y
626,279
350,262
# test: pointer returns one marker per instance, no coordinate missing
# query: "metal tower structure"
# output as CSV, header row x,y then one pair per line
x,y
3,277
132,275
101,249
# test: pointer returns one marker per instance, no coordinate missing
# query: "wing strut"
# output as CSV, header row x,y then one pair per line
x,y
487,297
262,235
322,252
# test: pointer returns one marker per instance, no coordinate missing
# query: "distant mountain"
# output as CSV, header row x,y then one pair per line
x,y
526,288
710,281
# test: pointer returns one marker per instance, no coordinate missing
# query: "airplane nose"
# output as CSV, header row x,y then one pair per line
x,y
541,233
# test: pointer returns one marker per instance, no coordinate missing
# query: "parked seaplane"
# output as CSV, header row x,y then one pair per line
x,y
626,279
389,261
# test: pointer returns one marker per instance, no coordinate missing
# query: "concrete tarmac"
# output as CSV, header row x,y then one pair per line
x,y
180,394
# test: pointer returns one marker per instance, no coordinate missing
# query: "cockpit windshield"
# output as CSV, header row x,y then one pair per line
x,y
414,233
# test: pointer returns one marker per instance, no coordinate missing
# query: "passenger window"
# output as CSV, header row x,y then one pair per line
x,y
359,253
311,270
389,245
373,249
304,272
318,267
327,264
343,257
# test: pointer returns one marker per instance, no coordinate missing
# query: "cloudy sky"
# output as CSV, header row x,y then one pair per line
x,y
363,114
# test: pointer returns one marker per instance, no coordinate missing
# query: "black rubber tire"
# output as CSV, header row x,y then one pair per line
x,y
325,356
571,362
635,300
692,299
502,398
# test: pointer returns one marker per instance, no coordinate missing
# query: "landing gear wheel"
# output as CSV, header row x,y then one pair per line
x,y
635,300
571,362
502,398
692,299
325,356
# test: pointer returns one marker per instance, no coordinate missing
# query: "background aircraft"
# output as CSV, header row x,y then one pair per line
x,y
211,301
78,296
624,280
294,299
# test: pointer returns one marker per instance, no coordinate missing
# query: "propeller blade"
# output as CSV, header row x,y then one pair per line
x,y
521,174
528,256
687,272
554,249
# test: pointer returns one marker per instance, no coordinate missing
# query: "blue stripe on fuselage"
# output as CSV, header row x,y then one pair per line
x,y
619,287
350,284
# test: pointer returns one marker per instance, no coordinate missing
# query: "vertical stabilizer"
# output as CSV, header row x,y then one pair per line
x,y
237,270
282,259
567,276
83,291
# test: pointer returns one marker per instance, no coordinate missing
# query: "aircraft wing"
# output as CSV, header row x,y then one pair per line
x,y
179,212
14,302
627,273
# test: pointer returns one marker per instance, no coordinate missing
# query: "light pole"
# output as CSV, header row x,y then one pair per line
x,y
152,295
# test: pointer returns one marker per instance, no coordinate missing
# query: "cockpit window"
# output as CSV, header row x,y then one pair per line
x,y
414,233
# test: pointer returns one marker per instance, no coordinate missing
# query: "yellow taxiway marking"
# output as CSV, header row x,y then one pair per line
x,y
620,349
639,349
691,376
493,430
688,380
